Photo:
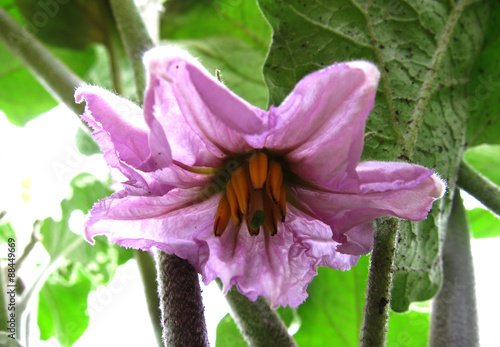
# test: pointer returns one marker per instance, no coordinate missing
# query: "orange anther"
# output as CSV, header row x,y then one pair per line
x,y
222,216
274,180
233,204
241,186
258,169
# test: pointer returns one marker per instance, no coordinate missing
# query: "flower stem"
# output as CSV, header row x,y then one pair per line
x,y
146,265
376,317
180,301
479,186
114,62
135,38
454,315
258,323
45,66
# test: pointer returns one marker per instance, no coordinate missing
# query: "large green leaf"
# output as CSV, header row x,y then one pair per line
x,y
483,97
84,266
410,329
62,309
424,51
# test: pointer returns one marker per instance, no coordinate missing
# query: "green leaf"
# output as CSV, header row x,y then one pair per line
x,y
195,19
226,54
228,334
409,329
22,97
486,160
483,97
6,341
6,232
425,52
333,313
483,223
84,268
62,309
73,24
85,143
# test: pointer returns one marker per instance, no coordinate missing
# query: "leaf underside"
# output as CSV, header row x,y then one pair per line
x,y
424,51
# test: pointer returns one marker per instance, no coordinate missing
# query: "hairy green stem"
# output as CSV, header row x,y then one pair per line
x,y
47,68
479,187
258,323
454,315
135,38
182,308
114,62
147,268
378,292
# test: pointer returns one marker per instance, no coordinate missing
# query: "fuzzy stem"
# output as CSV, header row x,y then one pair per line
x,y
146,265
479,187
135,38
378,293
180,301
114,63
258,323
46,67
454,315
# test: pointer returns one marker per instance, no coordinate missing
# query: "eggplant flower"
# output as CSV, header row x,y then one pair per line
x,y
257,198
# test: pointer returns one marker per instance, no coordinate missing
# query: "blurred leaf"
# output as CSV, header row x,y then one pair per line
x,y
404,39
483,97
228,334
333,313
409,329
85,266
226,55
22,97
71,24
62,309
6,232
195,19
85,143
6,341
483,223
486,160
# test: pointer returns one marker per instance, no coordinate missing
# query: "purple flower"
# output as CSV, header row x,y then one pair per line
x,y
257,198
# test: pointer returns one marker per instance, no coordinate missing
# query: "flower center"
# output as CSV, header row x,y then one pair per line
x,y
256,194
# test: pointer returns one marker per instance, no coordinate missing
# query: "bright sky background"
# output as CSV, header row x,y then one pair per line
x,y
31,159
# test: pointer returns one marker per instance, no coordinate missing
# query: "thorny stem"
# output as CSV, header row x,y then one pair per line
x,y
45,66
180,301
479,186
135,38
258,323
376,317
454,315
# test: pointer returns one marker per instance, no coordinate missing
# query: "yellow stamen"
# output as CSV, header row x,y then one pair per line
x,y
241,186
222,216
274,180
233,204
258,169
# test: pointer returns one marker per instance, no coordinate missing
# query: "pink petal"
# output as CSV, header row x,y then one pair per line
x,y
166,122
320,125
277,267
223,121
386,189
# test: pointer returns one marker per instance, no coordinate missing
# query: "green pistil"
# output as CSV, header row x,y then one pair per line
x,y
257,219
